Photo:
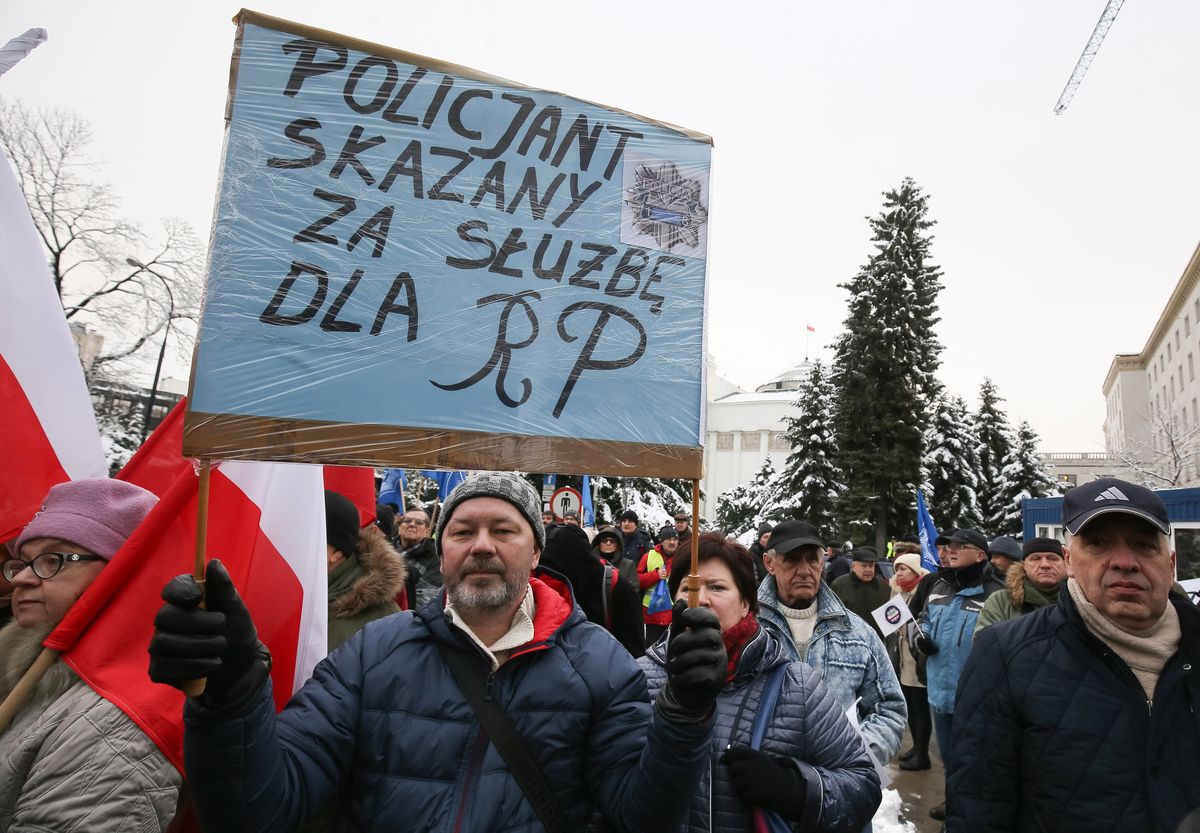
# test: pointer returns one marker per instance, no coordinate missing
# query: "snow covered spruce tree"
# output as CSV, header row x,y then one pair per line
x,y
951,466
746,506
994,443
808,487
1024,477
884,369
655,500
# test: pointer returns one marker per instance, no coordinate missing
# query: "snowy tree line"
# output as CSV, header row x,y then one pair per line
x,y
878,423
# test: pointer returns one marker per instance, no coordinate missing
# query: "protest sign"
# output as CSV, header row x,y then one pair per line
x,y
891,616
416,264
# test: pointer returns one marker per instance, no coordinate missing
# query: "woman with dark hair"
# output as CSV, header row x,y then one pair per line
x,y
812,768
614,606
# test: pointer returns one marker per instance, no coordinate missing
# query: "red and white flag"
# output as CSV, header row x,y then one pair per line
x,y
811,328
48,432
357,484
266,523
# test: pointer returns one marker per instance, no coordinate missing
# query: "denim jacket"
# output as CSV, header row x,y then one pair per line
x,y
852,662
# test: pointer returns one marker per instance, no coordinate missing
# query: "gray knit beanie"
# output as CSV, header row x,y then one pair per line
x,y
504,485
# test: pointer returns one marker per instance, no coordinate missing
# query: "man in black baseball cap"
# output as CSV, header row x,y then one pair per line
x,y
1108,672
814,624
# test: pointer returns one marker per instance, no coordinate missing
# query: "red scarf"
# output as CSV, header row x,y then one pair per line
x,y
736,639
907,586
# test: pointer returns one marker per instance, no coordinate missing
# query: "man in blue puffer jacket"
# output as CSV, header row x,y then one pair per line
x,y
382,731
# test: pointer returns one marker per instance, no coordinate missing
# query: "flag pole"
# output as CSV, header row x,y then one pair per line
x,y
194,688
694,576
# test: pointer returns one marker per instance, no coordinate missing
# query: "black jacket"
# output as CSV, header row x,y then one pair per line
x,y
1053,732
569,554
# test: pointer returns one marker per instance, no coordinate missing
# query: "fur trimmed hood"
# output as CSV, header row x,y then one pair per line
x,y
1014,580
382,580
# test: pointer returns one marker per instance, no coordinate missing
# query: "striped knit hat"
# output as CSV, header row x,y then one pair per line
x,y
504,485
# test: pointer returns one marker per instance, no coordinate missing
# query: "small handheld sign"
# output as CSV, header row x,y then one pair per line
x,y
891,615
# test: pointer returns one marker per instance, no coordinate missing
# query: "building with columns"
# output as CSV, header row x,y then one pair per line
x,y
743,428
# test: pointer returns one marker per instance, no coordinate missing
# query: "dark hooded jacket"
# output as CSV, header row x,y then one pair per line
x,y
626,567
1059,735
569,555
424,580
808,726
363,588
383,728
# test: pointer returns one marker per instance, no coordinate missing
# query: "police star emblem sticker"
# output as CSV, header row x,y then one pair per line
x,y
667,206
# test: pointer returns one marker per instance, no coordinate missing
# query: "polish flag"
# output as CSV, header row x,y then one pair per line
x,y
49,431
266,523
357,483
811,328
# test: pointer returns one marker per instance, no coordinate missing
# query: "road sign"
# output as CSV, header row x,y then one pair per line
x,y
565,500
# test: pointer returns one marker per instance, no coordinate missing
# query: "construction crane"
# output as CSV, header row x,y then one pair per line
x,y
1089,53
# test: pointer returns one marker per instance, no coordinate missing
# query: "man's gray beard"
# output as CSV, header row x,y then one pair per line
x,y
490,599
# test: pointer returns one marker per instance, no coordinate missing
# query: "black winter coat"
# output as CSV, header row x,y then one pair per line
x,y
1052,732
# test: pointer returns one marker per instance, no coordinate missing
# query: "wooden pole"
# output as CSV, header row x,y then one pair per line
x,y
25,686
694,576
194,688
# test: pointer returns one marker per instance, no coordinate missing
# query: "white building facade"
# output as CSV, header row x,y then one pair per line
x,y
743,429
1152,398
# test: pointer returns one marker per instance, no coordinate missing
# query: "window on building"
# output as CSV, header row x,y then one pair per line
x,y
1168,351
1187,325
1195,413
1191,369
1177,339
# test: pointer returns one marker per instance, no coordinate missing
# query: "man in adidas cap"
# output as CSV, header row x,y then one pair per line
x,y
1090,703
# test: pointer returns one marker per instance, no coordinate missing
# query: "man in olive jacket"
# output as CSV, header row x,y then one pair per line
x,y
1030,584
1083,715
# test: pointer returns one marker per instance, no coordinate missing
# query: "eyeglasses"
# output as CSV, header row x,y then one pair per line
x,y
46,565
961,547
412,522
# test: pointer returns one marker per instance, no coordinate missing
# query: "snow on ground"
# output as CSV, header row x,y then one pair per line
x,y
887,817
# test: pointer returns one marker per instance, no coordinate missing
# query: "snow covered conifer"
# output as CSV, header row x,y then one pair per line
x,y
994,443
808,487
1024,477
885,368
951,466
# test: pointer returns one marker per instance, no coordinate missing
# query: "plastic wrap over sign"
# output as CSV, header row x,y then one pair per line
x,y
416,264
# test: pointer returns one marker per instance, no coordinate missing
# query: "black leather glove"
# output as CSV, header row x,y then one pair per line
x,y
762,780
696,663
219,643
925,645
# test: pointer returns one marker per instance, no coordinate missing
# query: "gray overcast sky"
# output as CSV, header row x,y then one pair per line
x,y
1060,236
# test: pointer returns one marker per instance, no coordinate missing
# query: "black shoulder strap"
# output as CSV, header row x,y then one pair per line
x,y
505,738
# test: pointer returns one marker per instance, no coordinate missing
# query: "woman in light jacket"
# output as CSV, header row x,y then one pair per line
x,y
920,723
813,768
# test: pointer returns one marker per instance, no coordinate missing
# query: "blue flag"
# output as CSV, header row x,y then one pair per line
x,y
928,535
589,512
391,489
446,481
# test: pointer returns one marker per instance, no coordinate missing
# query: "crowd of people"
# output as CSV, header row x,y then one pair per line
x,y
491,668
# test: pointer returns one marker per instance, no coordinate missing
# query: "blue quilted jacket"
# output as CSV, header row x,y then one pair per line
x,y
382,732
809,726
1054,733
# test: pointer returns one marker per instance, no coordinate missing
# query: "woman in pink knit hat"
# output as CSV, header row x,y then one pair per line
x,y
71,760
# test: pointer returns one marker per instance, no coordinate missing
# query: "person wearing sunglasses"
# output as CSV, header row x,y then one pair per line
x,y
71,760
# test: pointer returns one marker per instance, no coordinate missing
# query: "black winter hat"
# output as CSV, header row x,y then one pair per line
x,y
867,555
609,532
628,515
1006,546
341,523
667,531
1042,545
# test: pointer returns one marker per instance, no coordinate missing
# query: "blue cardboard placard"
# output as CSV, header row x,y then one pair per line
x,y
400,242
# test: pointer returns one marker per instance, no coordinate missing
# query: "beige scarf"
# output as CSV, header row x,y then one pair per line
x,y
1145,652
